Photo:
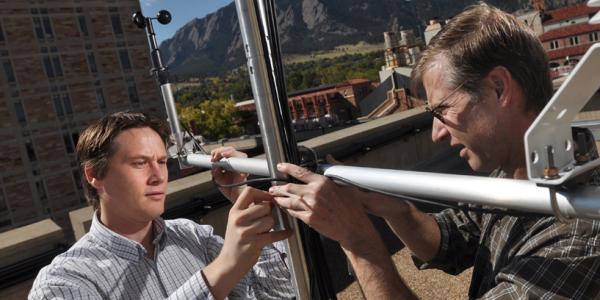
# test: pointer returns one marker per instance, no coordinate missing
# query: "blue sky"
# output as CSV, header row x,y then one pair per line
x,y
182,11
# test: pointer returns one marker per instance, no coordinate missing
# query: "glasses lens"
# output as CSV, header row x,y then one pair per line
x,y
435,114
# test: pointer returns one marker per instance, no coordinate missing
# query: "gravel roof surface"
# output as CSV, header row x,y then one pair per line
x,y
427,284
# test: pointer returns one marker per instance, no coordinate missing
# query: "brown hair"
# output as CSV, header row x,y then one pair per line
x,y
481,38
96,144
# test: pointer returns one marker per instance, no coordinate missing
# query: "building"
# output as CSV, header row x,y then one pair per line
x,y
432,29
63,65
401,50
391,96
532,18
322,106
567,36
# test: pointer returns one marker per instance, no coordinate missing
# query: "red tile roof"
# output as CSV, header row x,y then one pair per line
x,y
564,13
568,31
569,51
355,81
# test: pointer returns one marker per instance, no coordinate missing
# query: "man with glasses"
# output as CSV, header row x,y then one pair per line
x,y
486,77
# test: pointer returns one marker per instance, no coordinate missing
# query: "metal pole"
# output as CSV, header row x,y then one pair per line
x,y
265,96
261,44
162,76
522,195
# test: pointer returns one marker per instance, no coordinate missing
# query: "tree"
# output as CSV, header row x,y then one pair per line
x,y
215,119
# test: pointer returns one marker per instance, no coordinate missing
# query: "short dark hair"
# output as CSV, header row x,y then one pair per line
x,y
96,144
483,37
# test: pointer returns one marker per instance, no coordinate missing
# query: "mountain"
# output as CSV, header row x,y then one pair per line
x,y
212,45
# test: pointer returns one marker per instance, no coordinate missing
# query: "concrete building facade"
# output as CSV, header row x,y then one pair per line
x,y
63,64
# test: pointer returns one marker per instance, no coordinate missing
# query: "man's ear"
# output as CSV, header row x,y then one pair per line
x,y
91,178
501,82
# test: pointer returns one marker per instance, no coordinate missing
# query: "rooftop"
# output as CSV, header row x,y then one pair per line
x,y
564,13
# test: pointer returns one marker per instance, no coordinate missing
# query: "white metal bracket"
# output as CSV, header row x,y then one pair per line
x,y
552,128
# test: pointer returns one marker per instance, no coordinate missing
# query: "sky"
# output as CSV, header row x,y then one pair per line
x,y
182,11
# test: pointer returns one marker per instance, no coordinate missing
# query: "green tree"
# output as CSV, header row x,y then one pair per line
x,y
215,119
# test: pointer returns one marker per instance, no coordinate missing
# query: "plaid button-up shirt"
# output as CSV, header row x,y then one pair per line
x,y
520,257
105,265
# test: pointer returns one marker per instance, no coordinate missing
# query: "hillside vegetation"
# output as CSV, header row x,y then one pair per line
x,y
236,84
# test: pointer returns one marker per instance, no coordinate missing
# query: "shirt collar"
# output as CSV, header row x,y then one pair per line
x,y
122,246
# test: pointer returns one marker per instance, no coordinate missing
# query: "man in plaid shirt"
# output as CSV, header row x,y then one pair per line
x,y
486,77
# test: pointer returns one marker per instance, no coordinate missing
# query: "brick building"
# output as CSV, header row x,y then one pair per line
x,y
322,106
568,35
63,64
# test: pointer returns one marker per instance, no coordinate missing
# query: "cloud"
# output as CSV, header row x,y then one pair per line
x,y
148,3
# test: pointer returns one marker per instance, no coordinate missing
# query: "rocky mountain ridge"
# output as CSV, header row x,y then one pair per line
x,y
212,45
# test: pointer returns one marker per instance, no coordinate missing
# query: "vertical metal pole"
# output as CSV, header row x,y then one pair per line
x,y
264,94
162,75
321,286
261,45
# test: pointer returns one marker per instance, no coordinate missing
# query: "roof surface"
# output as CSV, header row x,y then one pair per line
x,y
564,13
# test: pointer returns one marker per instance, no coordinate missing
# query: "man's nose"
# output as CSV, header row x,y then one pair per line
x,y
438,131
157,174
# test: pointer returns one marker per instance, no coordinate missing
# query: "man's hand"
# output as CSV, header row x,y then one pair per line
x,y
336,212
249,227
223,177
248,232
331,209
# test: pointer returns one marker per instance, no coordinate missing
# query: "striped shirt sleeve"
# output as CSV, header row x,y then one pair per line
x,y
194,288
270,277
47,286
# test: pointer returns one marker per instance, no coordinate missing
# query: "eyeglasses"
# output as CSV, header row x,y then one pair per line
x,y
436,111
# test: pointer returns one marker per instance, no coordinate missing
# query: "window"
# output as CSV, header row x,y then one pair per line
x,y
20,112
62,103
52,64
1,33
57,66
593,36
4,212
67,103
42,195
554,44
41,24
41,191
574,40
116,24
100,98
133,94
58,106
124,58
37,25
47,27
91,60
69,145
3,206
48,67
75,137
8,71
77,178
83,26
30,151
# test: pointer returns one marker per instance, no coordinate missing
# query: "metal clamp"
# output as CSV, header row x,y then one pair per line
x,y
551,172
555,209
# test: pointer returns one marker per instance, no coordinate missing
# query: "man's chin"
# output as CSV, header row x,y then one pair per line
x,y
472,159
477,165
155,210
